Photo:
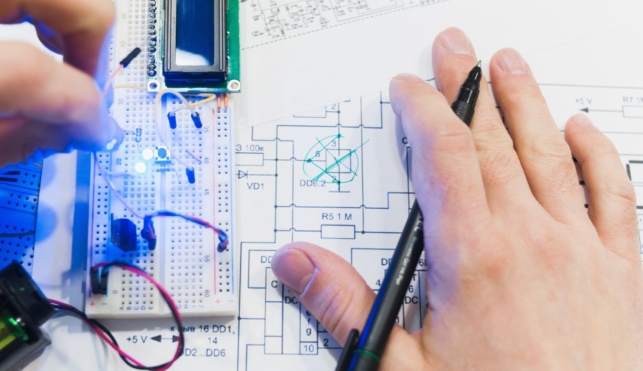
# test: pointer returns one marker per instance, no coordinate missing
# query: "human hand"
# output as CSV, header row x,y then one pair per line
x,y
45,104
520,275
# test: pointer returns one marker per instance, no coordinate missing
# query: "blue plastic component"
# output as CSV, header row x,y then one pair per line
x,y
196,118
171,117
190,173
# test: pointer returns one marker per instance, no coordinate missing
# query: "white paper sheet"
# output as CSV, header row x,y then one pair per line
x,y
582,52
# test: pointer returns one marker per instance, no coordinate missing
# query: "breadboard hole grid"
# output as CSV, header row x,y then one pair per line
x,y
19,193
185,257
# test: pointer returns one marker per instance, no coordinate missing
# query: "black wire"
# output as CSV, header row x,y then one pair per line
x,y
109,334
175,315
94,322
17,234
173,309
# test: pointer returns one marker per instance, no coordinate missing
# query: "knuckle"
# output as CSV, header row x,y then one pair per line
x,y
490,131
551,156
498,160
457,138
548,148
564,177
619,193
499,167
598,151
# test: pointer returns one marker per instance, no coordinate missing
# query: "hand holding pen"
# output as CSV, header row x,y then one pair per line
x,y
520,275
364,352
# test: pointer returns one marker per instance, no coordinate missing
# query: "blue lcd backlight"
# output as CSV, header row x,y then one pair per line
x,y
195,43
195,33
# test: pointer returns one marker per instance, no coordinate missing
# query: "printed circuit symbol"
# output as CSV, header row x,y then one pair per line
x,y
327,161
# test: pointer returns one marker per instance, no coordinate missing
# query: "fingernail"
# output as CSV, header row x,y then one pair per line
x,y
456,41
583,122
111,144
115,135
406,77
511,62
293,268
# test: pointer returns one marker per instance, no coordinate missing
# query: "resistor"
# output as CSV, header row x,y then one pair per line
x,y
138,135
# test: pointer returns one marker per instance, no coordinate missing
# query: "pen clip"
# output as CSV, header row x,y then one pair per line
x,y
349,348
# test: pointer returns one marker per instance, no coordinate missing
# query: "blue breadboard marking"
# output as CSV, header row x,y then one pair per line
x,y
19,192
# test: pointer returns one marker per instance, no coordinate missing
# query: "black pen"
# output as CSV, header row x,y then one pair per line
x,y
364,353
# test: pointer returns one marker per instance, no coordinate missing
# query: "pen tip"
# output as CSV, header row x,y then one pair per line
x,y
479,63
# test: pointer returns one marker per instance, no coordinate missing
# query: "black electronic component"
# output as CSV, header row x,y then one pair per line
x,y
196,119
195,42
123,234
148,233
130,57
171,117
98,280
190,173
23,308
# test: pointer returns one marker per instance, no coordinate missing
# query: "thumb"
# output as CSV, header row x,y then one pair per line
x,y
335,293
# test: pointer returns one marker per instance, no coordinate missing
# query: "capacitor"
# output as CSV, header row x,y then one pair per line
x,y
171,117
190,173
196,118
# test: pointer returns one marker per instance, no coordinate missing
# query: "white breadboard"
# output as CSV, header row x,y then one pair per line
x,y
186,261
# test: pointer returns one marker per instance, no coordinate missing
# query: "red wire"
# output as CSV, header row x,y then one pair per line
x,y
100,333
111,78
170,301
161,289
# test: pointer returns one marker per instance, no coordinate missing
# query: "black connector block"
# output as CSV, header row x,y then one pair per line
x,y
130,57
98,279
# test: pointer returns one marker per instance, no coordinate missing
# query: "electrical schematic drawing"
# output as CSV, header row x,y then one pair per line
x,y
274,20
339,177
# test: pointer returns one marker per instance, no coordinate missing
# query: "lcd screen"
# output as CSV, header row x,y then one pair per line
x,y
195,33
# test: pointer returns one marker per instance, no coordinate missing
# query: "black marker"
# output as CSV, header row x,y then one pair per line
x,y
364,353
465,101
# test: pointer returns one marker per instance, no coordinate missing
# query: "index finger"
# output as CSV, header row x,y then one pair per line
x,y
446,175
82,25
